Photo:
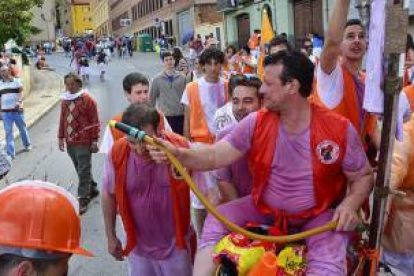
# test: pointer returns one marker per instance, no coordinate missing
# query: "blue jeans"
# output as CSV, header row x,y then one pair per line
x,y
9,118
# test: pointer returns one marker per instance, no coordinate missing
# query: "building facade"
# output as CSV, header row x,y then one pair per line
x,y
296,18
65,17
100,18
45,20
81,17
175,19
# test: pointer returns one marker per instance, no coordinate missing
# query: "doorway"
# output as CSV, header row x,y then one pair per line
x,y
308,19
243,29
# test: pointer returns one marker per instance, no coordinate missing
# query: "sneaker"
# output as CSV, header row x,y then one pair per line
x,y
83,205
28,148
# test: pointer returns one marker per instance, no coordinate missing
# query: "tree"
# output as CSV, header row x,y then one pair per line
x,y
16,20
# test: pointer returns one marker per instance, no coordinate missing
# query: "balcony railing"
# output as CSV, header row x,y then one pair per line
x,y
225,5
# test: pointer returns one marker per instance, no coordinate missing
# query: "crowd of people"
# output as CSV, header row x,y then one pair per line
x,y
291,149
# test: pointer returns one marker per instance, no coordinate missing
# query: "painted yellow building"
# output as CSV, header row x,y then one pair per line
x,y
81,17
100,17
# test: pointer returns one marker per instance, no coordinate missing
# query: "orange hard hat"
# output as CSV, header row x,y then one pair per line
x,y
40,216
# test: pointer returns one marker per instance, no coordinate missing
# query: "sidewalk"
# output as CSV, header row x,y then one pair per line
x,y
44,96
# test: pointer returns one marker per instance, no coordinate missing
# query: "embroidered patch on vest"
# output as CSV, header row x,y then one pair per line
x,y
328,152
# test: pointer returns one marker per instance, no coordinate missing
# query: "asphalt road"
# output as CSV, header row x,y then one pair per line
x,y
45,161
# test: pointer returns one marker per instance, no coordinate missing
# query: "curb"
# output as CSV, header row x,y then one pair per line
x,y
56,88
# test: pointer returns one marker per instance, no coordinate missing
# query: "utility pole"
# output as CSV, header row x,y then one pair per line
x,y
396,23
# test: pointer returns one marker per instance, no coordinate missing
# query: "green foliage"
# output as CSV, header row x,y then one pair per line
x,y
15,20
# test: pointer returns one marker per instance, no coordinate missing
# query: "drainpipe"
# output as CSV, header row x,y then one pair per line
x,y
225,36
274,17
326,15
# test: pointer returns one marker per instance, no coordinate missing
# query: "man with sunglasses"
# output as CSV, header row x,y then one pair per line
x,y
302,156
235,180
307,49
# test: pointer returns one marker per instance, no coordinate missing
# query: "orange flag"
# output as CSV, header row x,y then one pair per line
x,y
266,36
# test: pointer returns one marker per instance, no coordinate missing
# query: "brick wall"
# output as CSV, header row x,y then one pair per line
x,y
208,14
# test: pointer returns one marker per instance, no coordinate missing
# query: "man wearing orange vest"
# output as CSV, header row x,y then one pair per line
x,y
136,90
302,157
154,203
397,239
201,100
40,229
340,82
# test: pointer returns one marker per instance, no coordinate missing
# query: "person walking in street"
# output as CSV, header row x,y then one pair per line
x,y
11,92
202,98
84,68
166,91
136,91
40,230
177,55
155,213
130,47
79,128
102,60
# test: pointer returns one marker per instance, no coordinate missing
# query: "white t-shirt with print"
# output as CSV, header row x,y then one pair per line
x,y
224,117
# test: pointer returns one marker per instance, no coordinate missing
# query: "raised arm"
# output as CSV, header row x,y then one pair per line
x,y
334,36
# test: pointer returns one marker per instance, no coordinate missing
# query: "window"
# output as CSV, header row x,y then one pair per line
x,y
139,9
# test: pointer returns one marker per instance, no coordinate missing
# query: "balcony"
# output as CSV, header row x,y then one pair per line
x,y
228,5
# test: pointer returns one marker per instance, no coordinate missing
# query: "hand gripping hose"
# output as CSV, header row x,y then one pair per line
x,y
141,136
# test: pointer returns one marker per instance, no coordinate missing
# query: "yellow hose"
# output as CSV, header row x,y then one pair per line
x,y
231,226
